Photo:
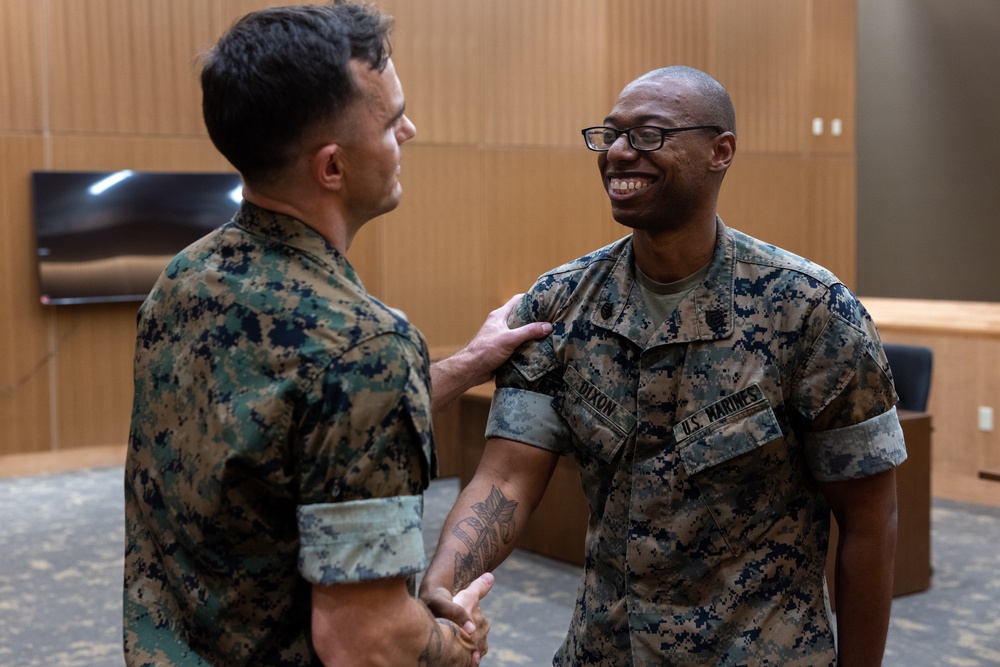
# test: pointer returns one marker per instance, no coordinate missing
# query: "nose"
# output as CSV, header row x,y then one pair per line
x,y
621,150
407,130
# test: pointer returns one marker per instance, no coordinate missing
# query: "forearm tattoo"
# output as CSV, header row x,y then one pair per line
x,y
434,652
493,522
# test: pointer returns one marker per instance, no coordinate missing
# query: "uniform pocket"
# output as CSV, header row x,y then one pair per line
x,y
599,423
734,453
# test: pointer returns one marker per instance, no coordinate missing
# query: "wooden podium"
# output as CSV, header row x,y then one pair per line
x,y
558,527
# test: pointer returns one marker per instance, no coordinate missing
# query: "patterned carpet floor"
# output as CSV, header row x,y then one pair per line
x,y
61,541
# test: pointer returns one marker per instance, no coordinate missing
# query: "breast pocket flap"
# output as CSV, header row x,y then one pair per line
x,y
600,423
728,428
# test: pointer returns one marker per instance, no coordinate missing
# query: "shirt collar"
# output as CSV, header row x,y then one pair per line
x,y
705,314
288,231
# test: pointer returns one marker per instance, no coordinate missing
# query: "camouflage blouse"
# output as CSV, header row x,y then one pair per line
x,y
700,442
280,437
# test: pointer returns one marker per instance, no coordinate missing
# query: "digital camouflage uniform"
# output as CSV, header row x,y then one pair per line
x,y
700,444
280,437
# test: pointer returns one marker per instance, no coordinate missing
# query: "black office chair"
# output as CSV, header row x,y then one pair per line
x,y
911,373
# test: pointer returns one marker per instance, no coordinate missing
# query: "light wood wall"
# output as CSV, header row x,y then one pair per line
x,y
497,184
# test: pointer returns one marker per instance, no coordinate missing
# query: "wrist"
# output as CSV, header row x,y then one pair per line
x,y
468,368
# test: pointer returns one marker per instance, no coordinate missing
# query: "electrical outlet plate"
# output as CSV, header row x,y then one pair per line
x,y
985,419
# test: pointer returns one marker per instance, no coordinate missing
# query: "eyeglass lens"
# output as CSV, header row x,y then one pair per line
x,y
640,138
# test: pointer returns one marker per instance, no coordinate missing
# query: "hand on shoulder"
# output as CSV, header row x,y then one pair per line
x,y
476,363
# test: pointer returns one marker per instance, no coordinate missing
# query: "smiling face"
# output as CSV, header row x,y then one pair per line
x,y
670,187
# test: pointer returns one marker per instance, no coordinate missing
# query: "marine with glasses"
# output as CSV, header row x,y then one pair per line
x,y
720,396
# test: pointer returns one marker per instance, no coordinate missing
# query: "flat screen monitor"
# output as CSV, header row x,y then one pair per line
x,y
107,236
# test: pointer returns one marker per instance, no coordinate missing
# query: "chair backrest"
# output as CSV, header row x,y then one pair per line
x,y
911,372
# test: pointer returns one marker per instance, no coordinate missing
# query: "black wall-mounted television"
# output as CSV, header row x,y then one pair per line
x,y
107,236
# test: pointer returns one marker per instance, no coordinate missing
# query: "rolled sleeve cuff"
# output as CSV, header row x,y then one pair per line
x,y
527,417
361,540
856,451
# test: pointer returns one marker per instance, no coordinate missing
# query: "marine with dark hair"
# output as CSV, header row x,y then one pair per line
x,y
720,396
282,72
281,425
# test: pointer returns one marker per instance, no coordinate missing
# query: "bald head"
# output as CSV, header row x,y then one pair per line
x,y
709,103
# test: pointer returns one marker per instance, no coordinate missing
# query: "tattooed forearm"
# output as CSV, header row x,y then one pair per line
x,y
493,522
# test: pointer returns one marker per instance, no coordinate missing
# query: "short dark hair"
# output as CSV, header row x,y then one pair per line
x,y
279,72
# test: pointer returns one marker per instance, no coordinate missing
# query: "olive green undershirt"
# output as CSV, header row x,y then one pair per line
x,y
661,299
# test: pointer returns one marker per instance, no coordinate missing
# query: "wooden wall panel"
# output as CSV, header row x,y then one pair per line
x,y
543,208
545,74
833,74
830,222
432,245
20,65
987,394
644,35
86,152
800,204
763,58
438,57
24,328
767,196
233,9
128,66
93,374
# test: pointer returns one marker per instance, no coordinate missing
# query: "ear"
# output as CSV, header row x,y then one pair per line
x,y
723,151
327,166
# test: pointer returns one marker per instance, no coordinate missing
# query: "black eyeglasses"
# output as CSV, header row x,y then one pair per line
x,y
641,138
